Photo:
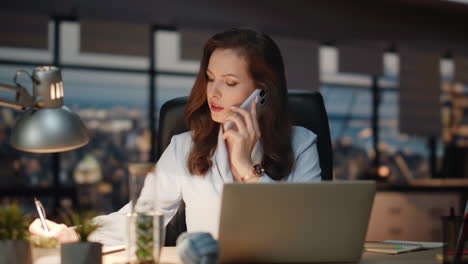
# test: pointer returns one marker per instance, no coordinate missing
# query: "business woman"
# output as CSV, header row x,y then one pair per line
x,y
260,148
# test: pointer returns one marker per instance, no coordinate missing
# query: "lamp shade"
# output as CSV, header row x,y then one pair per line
x,y
49,130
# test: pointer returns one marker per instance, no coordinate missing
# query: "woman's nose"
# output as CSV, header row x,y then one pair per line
x,y
216,90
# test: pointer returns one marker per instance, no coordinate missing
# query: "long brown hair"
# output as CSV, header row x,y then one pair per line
x,y
267,71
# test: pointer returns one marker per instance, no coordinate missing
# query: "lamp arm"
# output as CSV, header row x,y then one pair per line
x,y
23,98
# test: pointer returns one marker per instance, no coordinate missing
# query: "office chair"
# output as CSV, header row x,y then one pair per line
x,y
307,110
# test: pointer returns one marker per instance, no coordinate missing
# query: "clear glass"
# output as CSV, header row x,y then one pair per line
x,y
145,225
114,108
19,169
349,114
407,156
145,237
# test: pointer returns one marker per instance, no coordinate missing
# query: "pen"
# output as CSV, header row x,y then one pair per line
x,y
461,237
42,214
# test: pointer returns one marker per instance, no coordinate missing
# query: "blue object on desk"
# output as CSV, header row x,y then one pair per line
x,y
197,248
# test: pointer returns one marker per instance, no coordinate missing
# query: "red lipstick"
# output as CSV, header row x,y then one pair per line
x,y
216,108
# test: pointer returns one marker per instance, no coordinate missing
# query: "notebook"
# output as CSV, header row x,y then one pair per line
x,y
294,222
398,246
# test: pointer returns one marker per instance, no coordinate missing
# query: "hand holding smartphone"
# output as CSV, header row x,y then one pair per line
x,y
260,95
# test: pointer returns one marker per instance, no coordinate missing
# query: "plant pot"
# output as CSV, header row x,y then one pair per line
x,y
45,255
15,252
81,253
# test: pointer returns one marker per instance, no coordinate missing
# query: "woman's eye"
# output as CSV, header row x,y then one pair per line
x,y
231,83
209,79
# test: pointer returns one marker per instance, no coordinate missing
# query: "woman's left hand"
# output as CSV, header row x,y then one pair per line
x,y
242,141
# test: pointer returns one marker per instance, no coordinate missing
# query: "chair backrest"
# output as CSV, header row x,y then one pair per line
x,y
307,110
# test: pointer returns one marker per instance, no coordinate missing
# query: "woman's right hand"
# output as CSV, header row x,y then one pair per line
x,y
61,232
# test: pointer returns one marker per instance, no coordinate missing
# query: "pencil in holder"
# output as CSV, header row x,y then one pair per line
x,y
452,227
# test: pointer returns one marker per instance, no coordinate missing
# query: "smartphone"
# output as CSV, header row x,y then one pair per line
x,y
260,95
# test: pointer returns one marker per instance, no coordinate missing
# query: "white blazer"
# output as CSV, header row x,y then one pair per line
x,y
170,182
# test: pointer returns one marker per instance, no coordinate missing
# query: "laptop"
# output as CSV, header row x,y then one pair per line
x,y
295,222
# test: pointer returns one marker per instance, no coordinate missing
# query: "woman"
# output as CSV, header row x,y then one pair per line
x,y
260,148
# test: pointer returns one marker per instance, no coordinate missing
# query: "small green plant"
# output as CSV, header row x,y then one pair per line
x,y
44,242
144,238
13,223
83,222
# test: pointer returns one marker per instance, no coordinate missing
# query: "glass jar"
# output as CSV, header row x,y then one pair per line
x,y
145,225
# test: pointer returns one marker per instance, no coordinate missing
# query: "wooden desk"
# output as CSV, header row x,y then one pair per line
x,y
417,257
169,256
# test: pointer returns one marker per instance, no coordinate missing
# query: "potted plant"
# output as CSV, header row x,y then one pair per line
x,y
83,251
15,247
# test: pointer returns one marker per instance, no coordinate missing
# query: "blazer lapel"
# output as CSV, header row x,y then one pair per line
x,y
221,161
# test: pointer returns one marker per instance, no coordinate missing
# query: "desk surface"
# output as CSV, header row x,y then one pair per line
x,y
169,256
417,257
439,182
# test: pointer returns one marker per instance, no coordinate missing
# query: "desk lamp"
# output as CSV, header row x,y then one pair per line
x,y
47,125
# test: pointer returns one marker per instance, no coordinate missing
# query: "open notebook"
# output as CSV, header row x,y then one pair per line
x,y
398,246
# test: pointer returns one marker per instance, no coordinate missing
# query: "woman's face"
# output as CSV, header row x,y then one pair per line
x,y
228,82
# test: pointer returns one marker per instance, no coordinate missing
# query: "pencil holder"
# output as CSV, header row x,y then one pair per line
x,y
452,233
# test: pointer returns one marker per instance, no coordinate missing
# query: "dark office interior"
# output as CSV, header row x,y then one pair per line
x,y
393,75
